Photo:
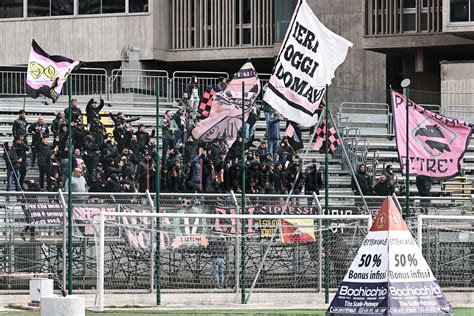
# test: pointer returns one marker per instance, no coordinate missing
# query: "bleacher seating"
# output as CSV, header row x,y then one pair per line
x,y
364,138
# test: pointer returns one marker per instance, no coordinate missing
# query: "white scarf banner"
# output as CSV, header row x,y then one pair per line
x,y
306,63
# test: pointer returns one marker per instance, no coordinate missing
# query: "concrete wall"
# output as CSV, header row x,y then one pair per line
x,y
101,38
458,28
363,71
457,89
90,39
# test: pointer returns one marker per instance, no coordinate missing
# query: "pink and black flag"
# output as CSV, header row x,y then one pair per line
x,y
205,105
436,143
320,138
46,74
225,119
293,132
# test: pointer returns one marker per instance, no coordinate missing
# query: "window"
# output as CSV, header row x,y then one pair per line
x,y
409,4
409,15
103,6
243,20
472,10
38,8
62,7
89,6
459,10
409,22
113,6
50,7
11,9
283,12
135,6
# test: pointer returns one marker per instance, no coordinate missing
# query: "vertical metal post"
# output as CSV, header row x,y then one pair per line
x,y
69,193
100,272
420,232
243,283
407,163
63,202
326,203
320,243
152,243
157,178
237,248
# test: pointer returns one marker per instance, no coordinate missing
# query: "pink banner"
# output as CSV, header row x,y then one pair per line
x,y
436,143
225,119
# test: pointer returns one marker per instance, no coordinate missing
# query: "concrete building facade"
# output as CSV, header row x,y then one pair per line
x,y
416,36
215,35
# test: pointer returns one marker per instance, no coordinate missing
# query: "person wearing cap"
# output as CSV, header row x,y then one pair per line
x,y
20,125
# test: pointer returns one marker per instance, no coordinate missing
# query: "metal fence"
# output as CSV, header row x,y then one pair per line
x,y
129,263
137,86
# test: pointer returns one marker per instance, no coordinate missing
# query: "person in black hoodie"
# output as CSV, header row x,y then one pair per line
x,y
91,156
54,169
120,119
31,186
189,151
75,111
93,110
113,184
58,121
21,149
278,179
78,133
12,161
44,161
146,173
39,130
143,137
364,180
175,178
423,184
384,187
313,182
19,127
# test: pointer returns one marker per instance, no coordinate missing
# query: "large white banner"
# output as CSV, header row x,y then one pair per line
x,y
308,58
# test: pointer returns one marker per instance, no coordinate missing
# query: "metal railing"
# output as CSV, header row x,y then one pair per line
x,y
181,79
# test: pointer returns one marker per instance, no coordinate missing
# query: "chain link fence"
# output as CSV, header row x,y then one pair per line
x,y
32,241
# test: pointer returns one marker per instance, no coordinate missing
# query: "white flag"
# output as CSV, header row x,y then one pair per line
x,y
307,60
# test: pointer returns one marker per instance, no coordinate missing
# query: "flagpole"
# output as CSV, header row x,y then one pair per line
x,y
243,284
405,85
69,193
326,202
157,206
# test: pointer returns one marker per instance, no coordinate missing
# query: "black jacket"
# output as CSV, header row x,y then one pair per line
x,y
365,183
93,112
19,127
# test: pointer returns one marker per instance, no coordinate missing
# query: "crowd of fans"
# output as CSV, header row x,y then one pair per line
x,y
125,160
